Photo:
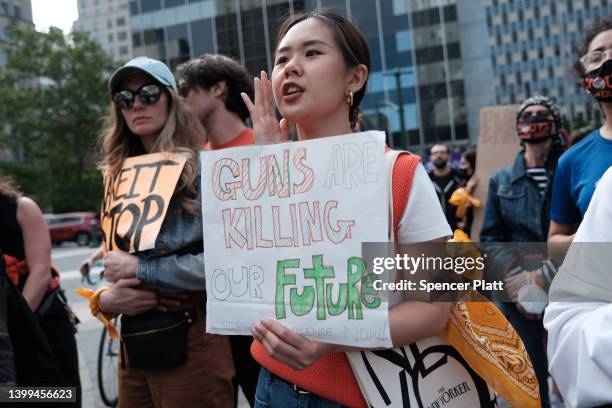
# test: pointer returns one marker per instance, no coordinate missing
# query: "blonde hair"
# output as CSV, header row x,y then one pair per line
x,y
182,133
7,189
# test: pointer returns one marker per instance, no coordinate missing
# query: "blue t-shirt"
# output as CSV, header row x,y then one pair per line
x,y
578,172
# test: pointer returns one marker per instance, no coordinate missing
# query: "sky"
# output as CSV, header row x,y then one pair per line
x,y
58,13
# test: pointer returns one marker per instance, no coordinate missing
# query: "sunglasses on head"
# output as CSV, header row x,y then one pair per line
x,y
148,95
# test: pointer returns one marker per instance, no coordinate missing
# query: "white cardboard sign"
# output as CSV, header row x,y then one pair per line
x,y
283,230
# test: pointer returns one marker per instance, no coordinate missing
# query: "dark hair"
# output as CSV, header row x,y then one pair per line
x,y
592,31
439,144
210,69
353,46
470,157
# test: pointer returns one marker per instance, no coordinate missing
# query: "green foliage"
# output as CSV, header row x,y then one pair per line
x,y
52,96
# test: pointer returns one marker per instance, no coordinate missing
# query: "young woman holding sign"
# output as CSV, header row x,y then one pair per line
x,y
167,359
320,73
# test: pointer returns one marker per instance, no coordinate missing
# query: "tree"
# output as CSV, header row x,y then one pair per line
x,y
53,94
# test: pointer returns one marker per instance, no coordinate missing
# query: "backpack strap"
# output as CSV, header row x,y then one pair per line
x,y
401,182
15,268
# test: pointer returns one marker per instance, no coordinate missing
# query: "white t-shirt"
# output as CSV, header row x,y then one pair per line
x,y
423,219
579,317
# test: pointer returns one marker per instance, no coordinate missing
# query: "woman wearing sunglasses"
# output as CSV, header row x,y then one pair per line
x,y
320,73
146,116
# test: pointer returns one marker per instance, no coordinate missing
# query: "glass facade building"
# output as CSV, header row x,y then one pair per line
x,y
417,87
531,49
13,12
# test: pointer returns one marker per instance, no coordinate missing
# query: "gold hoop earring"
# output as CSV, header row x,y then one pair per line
x,y
349,98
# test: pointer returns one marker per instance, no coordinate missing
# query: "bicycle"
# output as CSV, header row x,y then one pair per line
x,y
108,350
107,366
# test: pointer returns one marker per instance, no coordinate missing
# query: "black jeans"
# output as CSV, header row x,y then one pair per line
x,y
247,369
59,332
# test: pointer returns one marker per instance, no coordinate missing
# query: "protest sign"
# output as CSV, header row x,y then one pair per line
x,y
136,201
283,229
498,145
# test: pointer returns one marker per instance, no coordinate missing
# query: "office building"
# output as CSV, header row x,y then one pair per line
x,y
107,21
426,76
12,12
531,50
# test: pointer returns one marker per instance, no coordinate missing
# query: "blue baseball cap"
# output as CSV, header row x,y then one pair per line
x,y
149,66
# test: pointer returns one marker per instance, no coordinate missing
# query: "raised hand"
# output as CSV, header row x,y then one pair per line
x,y
266,127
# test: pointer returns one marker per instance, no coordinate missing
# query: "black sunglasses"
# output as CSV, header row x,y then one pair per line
x,y
148,95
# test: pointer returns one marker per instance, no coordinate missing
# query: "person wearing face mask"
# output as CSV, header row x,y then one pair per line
x,y
445,181
581,167
517,210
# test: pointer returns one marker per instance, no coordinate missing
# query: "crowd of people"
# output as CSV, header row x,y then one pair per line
x,y
321,67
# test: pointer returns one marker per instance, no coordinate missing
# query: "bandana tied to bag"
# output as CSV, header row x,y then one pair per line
x,y
489,343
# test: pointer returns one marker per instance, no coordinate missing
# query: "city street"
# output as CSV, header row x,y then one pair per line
x,y
67,259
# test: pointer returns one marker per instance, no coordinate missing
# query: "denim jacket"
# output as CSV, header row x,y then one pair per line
x,y
516,211
177,261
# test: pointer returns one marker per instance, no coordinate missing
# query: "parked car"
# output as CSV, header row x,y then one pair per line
x,y
79,227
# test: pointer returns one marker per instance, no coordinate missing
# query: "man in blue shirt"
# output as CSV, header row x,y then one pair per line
x,y
578,172
581,167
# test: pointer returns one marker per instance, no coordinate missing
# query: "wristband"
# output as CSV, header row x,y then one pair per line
x,y
96,309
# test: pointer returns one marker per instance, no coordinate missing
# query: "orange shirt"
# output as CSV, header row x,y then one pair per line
x,y
244,138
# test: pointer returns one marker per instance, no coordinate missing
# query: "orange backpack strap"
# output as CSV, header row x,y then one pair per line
x,y
403,174
15,268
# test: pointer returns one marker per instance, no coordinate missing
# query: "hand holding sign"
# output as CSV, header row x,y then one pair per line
x,y
293,349
119,265
266,127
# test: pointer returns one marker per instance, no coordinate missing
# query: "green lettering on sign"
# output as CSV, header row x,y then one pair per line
x,y
318,273
354,269
283,280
